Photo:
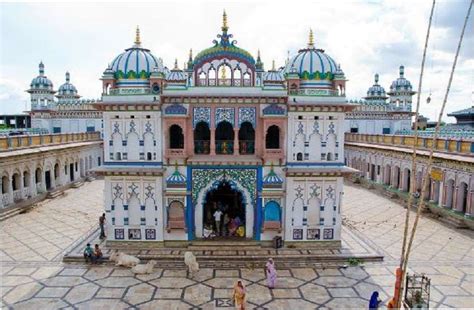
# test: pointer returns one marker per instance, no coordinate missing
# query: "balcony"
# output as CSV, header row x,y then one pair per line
x,y
225,147
202,146
246,147
180,153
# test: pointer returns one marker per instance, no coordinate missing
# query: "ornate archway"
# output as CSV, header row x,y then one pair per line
x,y
205,180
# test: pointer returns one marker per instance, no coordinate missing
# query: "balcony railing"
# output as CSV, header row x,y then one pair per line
x,y
246,147
225,147
202,146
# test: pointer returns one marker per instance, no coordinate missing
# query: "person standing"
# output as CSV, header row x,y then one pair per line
x,y
239,295
217,219
271,273
101,224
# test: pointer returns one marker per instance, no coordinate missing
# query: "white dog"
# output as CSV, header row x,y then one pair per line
x,y
144,268
191,263
122,259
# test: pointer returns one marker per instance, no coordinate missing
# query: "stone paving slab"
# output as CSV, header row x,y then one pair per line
x,y
34,279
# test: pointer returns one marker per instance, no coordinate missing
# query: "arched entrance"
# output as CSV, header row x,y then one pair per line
x,y
230,221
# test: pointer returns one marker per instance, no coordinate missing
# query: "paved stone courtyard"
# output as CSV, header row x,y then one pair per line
x,y
33,276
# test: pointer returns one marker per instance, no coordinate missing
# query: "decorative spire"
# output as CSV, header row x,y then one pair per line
x,y
137,37
259,63
67,77
224,22
376,78
41,68
176,64
190,54
258,54
311,39
273,65
402,71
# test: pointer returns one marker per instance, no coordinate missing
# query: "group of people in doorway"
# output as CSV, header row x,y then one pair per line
x,y
223,223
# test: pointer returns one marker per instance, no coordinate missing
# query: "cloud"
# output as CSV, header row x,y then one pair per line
x,y
365,37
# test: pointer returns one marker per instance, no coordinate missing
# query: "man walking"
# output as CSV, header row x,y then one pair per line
x,y
217,218
101,224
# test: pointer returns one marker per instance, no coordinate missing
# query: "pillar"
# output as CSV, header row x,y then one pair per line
x,y
22,184
10,188
236,141
213,142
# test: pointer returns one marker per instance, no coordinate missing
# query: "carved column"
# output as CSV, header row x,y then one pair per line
x,y
236,141
213,141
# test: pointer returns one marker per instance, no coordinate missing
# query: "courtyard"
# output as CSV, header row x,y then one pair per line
x,y
34,276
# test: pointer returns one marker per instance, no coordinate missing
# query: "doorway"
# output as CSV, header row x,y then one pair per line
x,y
71,172
232,213
47,178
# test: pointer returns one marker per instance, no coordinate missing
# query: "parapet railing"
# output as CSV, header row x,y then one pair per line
x,y
29,141
442,144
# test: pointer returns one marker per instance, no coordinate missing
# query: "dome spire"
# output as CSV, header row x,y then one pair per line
x,y
41,68
137,37
190,54
273,65
67,77
402,71
224,22
311,39
376,78
176,64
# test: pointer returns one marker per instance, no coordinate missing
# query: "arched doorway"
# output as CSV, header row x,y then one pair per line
x,y
202,138
224,138
449,194
272,138
406,180
246,139
461,200
231,223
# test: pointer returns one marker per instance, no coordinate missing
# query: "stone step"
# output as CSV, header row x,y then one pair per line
x,y
9,213
90,178
77,184
55,193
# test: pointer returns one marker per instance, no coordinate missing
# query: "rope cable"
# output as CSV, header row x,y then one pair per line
x,y
433,144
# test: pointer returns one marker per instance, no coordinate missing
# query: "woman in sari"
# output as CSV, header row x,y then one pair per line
x,y
239,295
374,301
271,273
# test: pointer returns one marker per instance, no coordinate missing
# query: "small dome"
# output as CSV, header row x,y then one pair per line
x,y
401,84
273,76
272,179
176,178
67,89
176,74
136,62
41,81
312,64
376,90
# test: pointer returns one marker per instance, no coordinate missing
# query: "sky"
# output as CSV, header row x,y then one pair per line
x,y
365,37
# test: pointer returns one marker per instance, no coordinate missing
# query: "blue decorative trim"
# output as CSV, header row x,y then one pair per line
x,y
189,206
258,219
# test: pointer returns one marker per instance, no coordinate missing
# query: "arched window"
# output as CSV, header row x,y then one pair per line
x,y
237,79
56,171
246,138
299,156
176,137
212,76
175,216
225,75
247,79
148,156
4,184
118,156
272,139
202,78
38,175
224,138
202,138
16,181
329,157
26,179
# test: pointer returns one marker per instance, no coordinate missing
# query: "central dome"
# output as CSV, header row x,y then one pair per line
x,y
136,62
225,48
312,64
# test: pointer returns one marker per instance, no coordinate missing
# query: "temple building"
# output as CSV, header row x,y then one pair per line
x,y
66,113
264,147
374,115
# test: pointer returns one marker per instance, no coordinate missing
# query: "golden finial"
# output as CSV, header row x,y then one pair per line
x,y
224,21
311,38
273,65
137,37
